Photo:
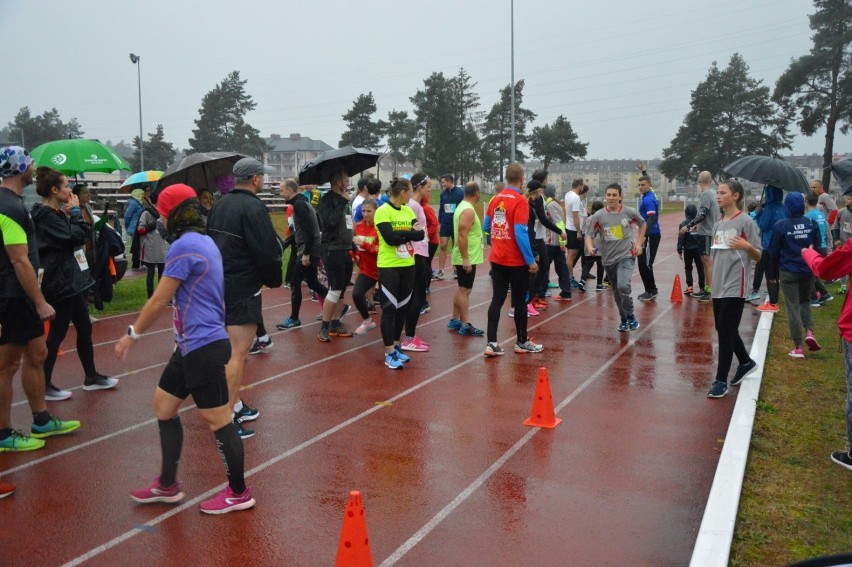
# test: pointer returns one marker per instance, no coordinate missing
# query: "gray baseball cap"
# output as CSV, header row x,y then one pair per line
x,y
248,167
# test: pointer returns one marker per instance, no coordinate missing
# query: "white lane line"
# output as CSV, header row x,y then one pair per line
x,y
184,506
420,534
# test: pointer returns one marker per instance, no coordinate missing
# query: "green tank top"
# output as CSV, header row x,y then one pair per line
x,y
474,237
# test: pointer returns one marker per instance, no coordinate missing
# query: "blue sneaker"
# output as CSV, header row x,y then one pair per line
x,y
401,356
246,414
632,323
471,331
623,326
392,360
290,323
425,309
454,324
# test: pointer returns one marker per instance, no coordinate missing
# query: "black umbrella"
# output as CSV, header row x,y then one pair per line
x,y
199,171
350,159
843,173
768,171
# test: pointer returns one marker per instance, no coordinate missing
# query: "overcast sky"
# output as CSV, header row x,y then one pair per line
x,y
621,71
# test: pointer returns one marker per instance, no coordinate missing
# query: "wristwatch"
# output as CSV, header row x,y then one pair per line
x,y
131,332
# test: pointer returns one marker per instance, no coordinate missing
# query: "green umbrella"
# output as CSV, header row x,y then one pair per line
x,y
75,156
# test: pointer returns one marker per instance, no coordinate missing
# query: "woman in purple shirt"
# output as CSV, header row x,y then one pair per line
x,y
194,278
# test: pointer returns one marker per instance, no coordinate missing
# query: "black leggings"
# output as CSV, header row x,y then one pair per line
x,y
538,280
501,278
693,257
728,312
308,274
766,266
396,285
363,284
73,309
422,279
149,281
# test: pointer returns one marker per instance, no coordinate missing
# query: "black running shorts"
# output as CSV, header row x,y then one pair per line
x,y
20,321
465,279
200,373
244,311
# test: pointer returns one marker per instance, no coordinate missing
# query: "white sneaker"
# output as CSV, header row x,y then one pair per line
x,y
365,326
54,394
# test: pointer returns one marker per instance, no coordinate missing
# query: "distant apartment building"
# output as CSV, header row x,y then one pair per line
x,y
598,173
286,156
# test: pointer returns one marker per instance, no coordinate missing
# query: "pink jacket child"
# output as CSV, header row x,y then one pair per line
x,y
832,267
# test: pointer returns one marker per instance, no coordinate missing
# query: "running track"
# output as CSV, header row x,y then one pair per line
x,y
448,473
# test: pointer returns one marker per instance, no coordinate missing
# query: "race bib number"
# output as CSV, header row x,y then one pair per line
x,y
722,239
80,256
349,222
405,251
614,233
847,228
449,208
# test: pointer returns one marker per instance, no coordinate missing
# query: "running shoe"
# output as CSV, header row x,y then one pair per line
x,y
242,431
527,347
531,311
323,336
842,289
246,414
705,297
6,489
425,309
511,312
632,323
647,296
493,349
54,394
623,326
797,352
815,303
392,361
454,324
318,317
455,275
718,389
290,323
471,331
842,458
753,296
339,331
401,355
414,344
769,307
365,326
260,345
54,427
688,291
826,298
565,298
698,293
439,275
581,286
156,492
18,442
742,370
575,284
99,382
600,288
548,293
551,285
539,304
228,501
811,341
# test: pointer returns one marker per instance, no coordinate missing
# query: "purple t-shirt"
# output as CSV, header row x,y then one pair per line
x,y
199,311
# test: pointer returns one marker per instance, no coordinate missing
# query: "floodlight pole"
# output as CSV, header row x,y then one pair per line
x,y
512,86
136,60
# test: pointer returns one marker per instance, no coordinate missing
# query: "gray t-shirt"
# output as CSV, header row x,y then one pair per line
x,y
616,231
732,268
708,202
826,204
843,221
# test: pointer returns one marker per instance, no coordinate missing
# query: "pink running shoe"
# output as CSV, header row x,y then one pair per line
x,y
226,501
812,342
797,352
531,311
156,492
414,344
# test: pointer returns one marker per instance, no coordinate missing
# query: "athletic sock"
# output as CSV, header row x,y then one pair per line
x,y
171,442
264,338
325,325
238,407
41,418
230,447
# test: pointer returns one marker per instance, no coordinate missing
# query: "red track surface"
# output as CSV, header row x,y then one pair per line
x,y
449,475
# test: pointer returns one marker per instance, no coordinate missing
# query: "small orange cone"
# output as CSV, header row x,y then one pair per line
x,y
542,408
677,291
354,547
59,352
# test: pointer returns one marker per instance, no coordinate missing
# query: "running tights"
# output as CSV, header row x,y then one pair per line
x,y
396,285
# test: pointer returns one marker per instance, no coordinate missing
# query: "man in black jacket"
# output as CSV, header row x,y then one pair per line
x,y
240,226
335,218
307,249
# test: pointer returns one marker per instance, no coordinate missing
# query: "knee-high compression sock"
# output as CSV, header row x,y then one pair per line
x,y
230,447
171,443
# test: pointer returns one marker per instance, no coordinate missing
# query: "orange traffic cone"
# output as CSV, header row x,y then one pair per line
x,y
542,408
677,291
354,547
59,352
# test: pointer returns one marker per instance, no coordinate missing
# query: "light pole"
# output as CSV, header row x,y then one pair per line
x,y
135,59
512,86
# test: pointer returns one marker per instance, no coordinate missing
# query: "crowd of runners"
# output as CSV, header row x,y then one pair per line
x,y
219,259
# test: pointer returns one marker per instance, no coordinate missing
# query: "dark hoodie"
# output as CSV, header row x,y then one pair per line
x,y
688,241
58,237
792,234
771,212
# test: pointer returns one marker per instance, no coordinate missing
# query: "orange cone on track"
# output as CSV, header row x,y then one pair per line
x,y
59,352
354,547
542,409
677,291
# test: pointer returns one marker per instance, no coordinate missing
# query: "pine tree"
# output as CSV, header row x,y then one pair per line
x,y
159,154
498,129
400,137
557,142
361,130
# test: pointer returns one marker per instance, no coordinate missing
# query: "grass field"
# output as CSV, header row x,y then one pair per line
x,y
795,502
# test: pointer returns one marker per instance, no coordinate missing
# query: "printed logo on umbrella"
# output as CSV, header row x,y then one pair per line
x,y
59,159
95,160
